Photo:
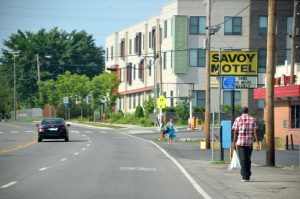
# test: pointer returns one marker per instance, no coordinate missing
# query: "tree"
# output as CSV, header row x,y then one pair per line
x,y
139,112
75,52
80,89
103,88
6,100
182,109
149,106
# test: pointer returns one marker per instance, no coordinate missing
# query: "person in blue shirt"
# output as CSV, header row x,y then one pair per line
x,y
171,133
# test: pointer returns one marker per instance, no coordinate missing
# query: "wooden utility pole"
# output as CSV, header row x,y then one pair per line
x,y
270,142
293,53
207,85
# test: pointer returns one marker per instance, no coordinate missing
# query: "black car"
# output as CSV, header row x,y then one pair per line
x,y
53,128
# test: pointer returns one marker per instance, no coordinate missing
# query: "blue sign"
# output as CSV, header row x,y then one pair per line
x,y
228,82
66,105
226,133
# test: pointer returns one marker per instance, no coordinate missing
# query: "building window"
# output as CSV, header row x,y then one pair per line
x,y
122,49
263,25
150,40
198,98
106,54
130,46
289,25
129,101
197,25
139,98
288,54
295,116
141,70
138,44
165,29
112,53
227,98
232,25
129,74
262,60
171,99
165,60
197,57
261,104
143,42
134,69
134,100
153,33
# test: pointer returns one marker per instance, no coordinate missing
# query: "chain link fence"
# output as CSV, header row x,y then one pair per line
x,y
28,114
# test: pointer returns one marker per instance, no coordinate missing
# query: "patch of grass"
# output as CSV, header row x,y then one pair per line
x,y
219,162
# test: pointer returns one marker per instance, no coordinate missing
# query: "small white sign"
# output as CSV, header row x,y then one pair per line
x,y
66,100
245,82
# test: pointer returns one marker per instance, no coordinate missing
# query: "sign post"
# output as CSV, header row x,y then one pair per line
x,y
66,105
161,103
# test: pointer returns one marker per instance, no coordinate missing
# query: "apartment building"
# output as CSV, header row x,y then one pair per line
x,y
165,54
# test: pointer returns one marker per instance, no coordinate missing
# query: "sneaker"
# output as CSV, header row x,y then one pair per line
x,y
242,180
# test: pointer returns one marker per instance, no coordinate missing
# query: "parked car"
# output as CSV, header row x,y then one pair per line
x,y
53,128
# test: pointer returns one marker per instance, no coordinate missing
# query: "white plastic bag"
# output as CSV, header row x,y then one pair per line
x,y
235,162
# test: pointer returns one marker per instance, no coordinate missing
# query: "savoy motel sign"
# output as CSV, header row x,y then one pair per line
x,y
239,64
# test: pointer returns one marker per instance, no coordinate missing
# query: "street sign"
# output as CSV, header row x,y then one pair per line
x,y
66,100
161,102
228,82
245,82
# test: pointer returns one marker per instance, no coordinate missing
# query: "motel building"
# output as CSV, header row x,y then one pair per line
x,y
165,54
286,104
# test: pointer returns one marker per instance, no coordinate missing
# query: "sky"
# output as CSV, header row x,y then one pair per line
x,y
97,17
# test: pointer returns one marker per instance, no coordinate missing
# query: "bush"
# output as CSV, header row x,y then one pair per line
x,y
139,112
146,122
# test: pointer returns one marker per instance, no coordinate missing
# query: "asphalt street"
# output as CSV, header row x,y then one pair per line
x,y
96,163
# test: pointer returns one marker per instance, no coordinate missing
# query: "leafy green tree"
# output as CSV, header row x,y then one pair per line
x,y
80,89
6,100
103,88
149,106
182,109
75,52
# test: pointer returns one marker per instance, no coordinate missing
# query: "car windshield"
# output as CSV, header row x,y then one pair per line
x,y
53,121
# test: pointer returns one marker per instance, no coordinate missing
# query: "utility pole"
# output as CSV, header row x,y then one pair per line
x,y
15,89
207,85
293,54
15,54
38,67
159,65
270,142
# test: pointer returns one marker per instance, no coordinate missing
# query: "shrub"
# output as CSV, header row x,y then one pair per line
x,y
139,112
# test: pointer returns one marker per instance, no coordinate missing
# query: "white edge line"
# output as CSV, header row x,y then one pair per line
x,y
88,145
43,169
64,159
76,153
8,185
83,149
181,168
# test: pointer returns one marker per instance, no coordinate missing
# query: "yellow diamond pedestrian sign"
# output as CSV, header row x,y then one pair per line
x,y
161,102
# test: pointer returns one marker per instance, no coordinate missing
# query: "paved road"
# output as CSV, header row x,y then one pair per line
x,y
96,163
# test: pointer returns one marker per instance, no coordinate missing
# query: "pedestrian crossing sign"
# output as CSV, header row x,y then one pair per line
x,y
161,102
